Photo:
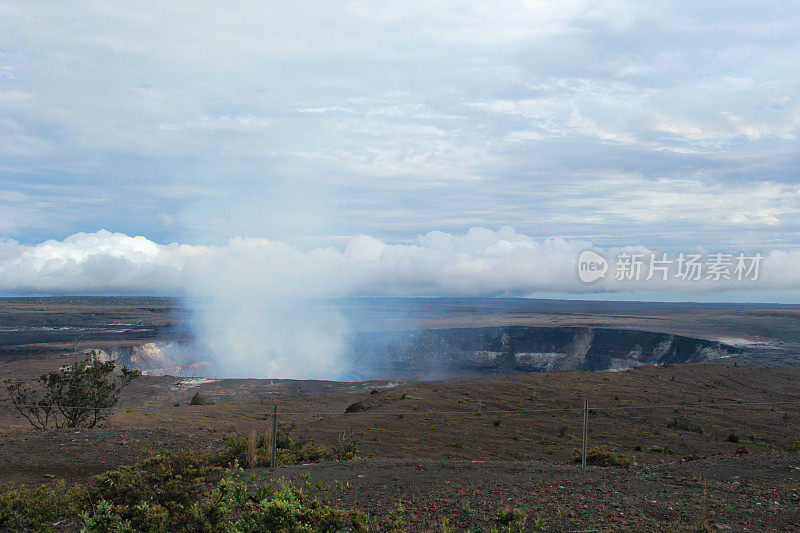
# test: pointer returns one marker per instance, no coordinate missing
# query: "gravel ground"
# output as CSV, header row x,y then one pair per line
x,y
76,455
754,492
750,493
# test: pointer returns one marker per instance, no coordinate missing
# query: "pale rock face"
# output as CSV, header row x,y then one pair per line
x,y
162,359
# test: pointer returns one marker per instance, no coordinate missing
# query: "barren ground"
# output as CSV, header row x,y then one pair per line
x,y
463,449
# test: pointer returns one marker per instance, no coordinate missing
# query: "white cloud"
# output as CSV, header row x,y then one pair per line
x,y
94,262
480,262
509,112
636,200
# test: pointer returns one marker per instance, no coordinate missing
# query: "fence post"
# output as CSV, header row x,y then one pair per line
x,y
274,436
583,443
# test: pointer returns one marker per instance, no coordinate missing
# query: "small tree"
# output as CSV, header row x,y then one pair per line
x,y
79,395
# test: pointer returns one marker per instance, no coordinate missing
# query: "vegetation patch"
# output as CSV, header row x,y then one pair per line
x,y
255,450
683,424
602,456
173,491
24,508
511,520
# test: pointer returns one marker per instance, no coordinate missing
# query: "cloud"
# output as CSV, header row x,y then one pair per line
x,y
100,262
480,262
416,116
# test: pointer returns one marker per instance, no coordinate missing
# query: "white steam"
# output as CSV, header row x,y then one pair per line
x,y
259,336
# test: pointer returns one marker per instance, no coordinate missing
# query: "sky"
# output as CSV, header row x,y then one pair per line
x,y
404,148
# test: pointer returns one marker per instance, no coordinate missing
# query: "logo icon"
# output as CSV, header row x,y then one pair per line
x,y
591,266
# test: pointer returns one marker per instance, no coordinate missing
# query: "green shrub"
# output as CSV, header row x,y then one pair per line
x,y
733,437
144,516
173,491
229,505
158,490
446,526
539,524
682,423
288,451
289,509
511,520
602,456
105,518
394,521
26,508
660,449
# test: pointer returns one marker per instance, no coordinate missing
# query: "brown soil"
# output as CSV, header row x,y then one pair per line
x,y
441,448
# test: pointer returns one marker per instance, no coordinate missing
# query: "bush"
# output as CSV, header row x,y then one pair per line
x,y
230,506
173,491
289,509
682,423
355,407
288,450
105,518
185,490
168,481
511,520
394,521
80,395
733,437
601,456
25,508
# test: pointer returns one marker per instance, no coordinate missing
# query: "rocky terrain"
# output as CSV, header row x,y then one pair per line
x,y
715,444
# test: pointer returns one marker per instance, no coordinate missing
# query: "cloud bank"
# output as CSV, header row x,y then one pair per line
x,y
657,122
480,262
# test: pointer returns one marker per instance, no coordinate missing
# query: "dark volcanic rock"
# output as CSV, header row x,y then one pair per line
x,y
198,399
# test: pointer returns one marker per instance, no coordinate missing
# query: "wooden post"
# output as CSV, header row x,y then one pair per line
x,y
274,436
583,443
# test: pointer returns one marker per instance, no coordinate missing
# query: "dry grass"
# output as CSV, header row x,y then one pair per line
x,y
251,456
